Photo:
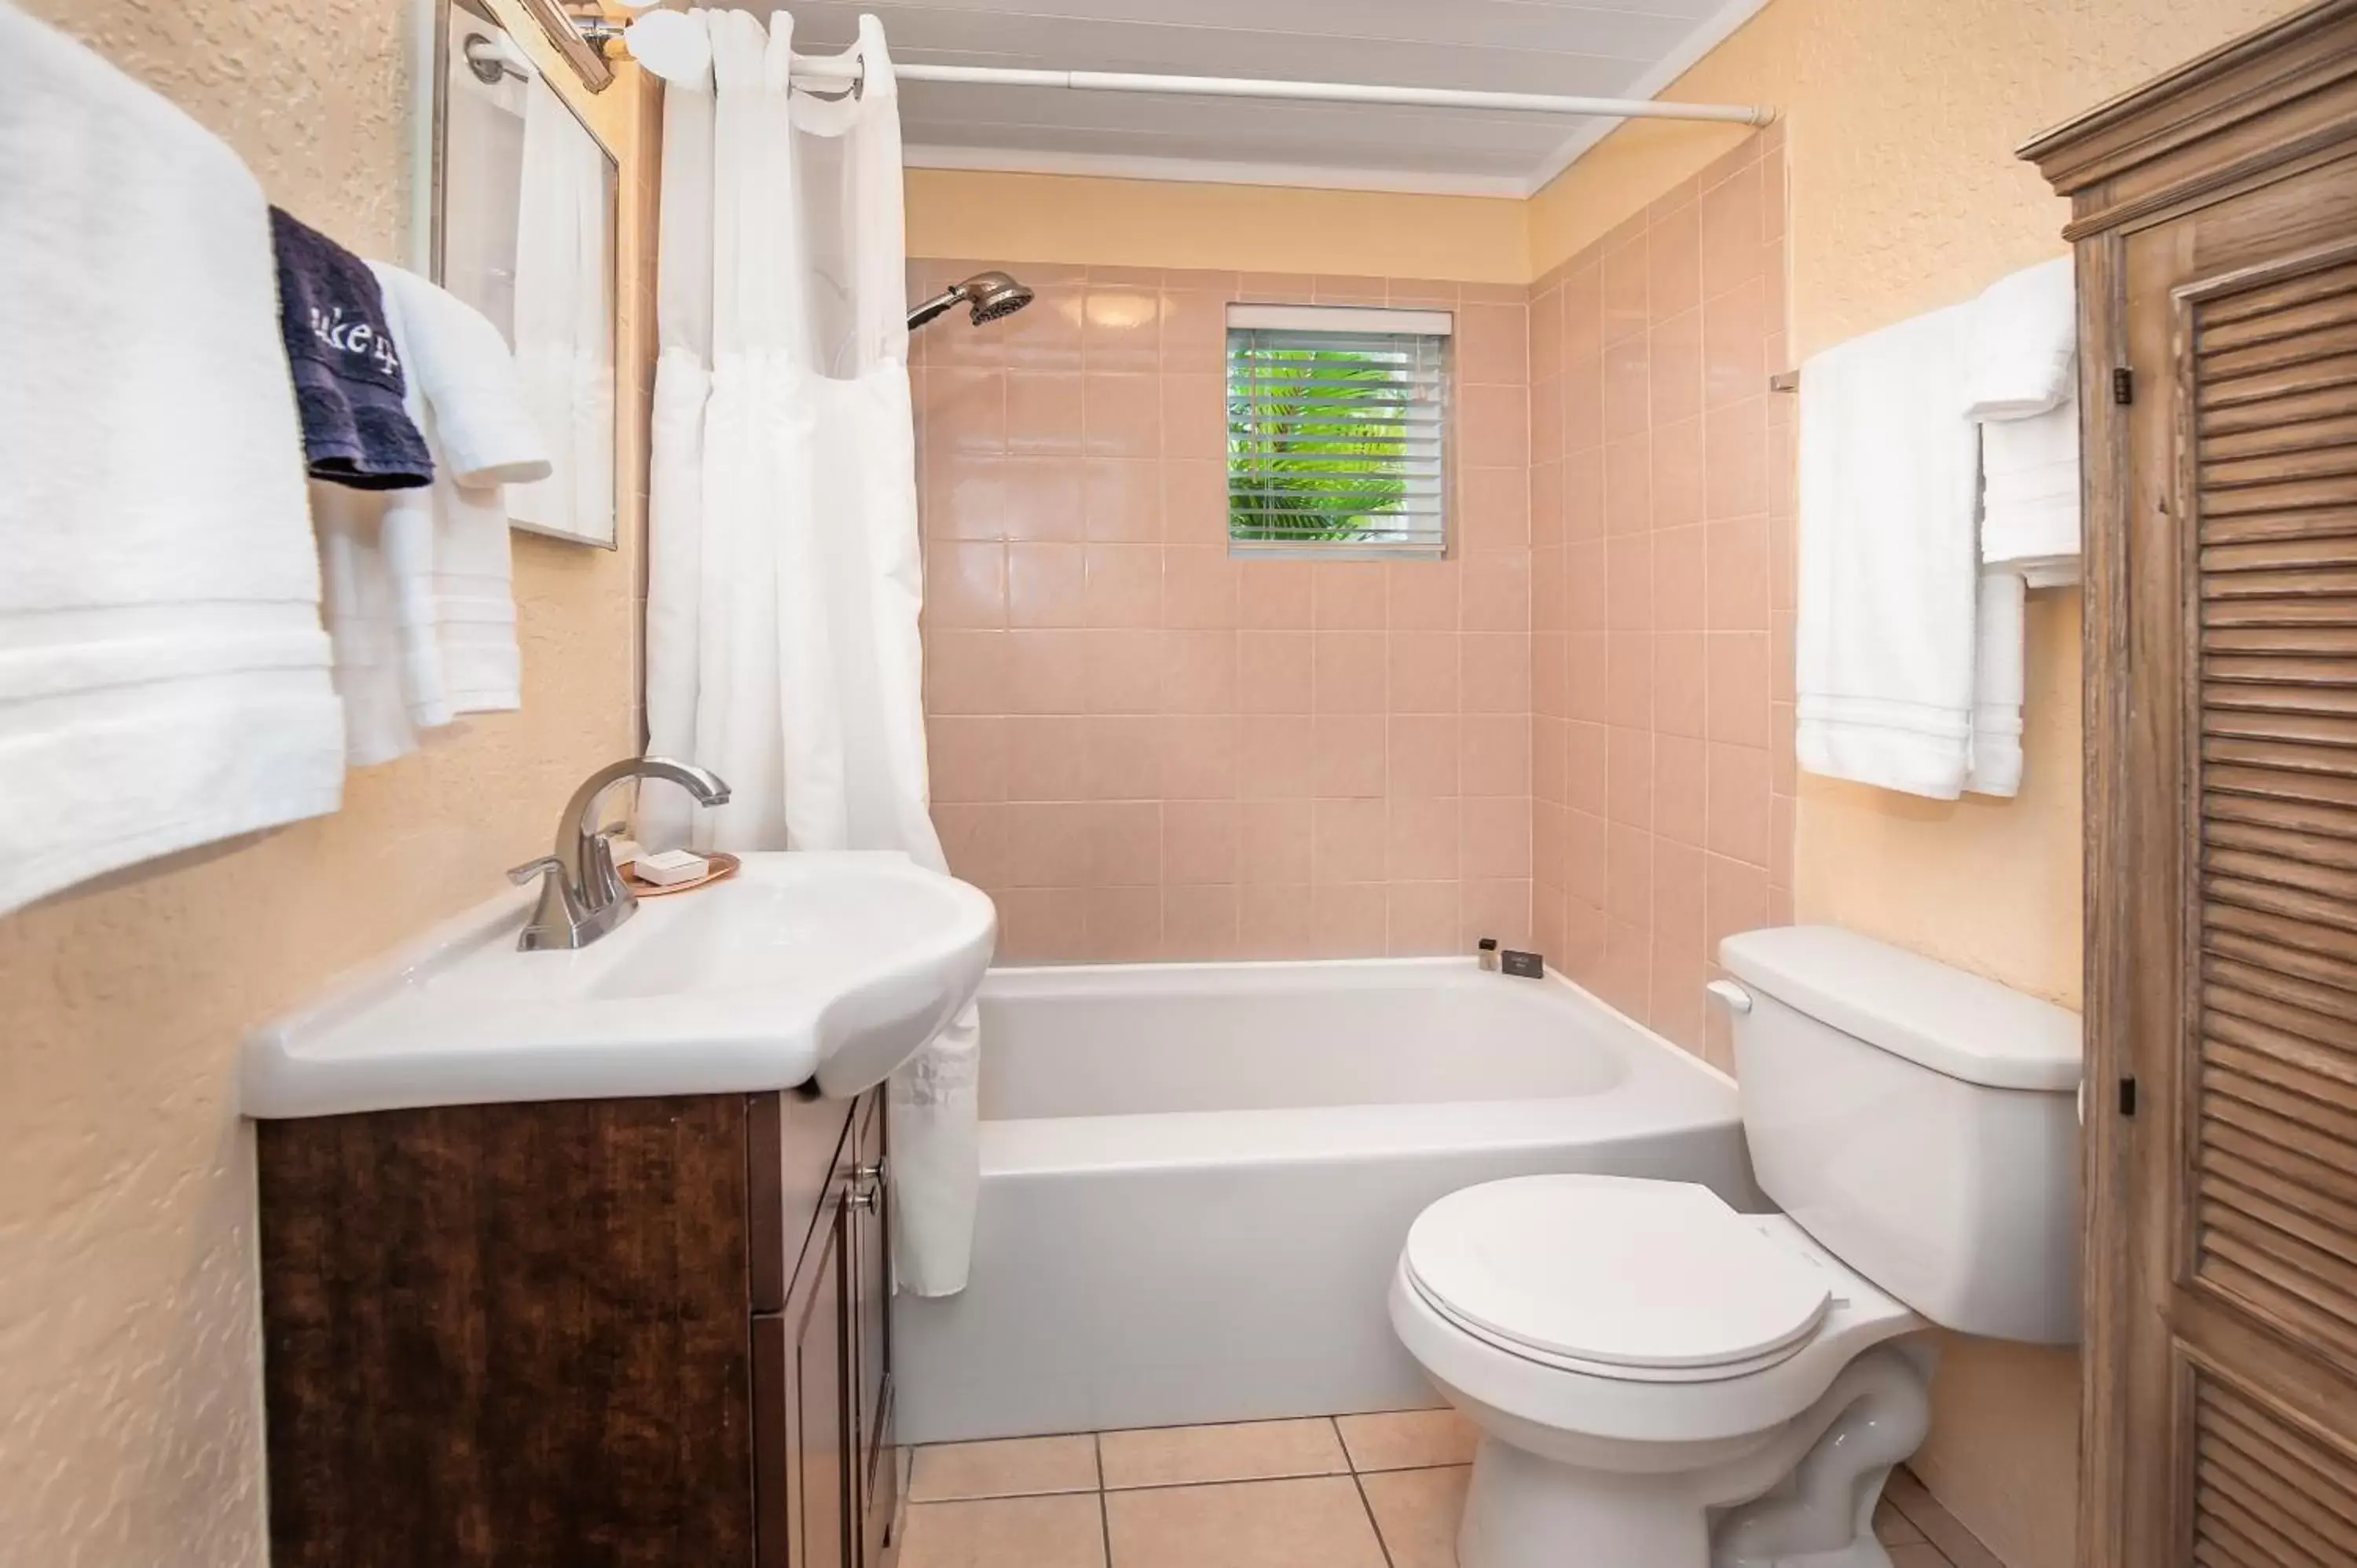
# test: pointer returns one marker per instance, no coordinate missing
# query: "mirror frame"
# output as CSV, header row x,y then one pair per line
x,y
562,23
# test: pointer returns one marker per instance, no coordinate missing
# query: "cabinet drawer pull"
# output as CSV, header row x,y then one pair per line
x,y
866,1186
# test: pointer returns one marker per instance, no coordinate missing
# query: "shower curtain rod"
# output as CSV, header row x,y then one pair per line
x,y
850,68
1306,91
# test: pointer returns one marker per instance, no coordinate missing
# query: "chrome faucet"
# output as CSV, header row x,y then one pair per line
x,y
582,896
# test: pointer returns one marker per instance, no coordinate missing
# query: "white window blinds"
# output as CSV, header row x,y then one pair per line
x,y
1338,430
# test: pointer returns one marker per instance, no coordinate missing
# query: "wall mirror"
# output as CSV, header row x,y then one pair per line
x,y
523,229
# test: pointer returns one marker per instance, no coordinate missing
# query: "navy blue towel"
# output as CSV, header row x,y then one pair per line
x,y
348,377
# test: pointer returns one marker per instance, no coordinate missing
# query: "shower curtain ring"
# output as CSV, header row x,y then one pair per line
x,y
855,92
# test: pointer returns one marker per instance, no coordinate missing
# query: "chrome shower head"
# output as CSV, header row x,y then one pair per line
x,y
987,296
996,295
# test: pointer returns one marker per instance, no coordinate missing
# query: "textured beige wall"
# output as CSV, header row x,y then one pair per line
x,y
130,1395
1903,115
1222,228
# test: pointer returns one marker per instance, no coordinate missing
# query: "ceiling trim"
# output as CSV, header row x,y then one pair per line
x,y
1194,171
1715,30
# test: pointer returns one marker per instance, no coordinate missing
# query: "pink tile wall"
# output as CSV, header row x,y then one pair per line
x,y
1662,566
1143,747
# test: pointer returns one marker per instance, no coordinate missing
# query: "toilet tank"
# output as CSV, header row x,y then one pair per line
x,y
1920,1121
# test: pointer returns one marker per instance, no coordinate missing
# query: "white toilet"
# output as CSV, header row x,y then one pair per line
x,y
1663,1382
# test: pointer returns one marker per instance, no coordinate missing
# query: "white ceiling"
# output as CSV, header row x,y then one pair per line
x,y
1623,48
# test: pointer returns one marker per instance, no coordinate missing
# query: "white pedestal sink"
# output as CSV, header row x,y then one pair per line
x,y
832,968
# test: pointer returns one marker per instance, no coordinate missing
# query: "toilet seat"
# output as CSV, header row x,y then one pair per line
x,y
1628,1280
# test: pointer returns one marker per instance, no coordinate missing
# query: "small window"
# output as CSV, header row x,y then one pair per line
x,y
1337,431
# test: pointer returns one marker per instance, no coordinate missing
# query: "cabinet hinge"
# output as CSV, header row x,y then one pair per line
x,y
2123,385
2127,1097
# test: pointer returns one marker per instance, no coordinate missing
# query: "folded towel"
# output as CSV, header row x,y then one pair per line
x,y
2025,391
419,584
164,680
406,539
2025,343
474,601
358,597
1888,563
483,430
348,378
1996,762
2029,495
482,437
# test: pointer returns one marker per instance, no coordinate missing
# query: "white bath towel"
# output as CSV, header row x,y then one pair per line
x,y
164,678
423,634
408,545
2024,339
2025,343
2029,495
483,438
1995,749
357,594
376,559
474,602
461,364
1888,562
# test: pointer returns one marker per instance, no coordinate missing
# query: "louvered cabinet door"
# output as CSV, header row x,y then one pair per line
x,y
2240,857
2268,450
2272,449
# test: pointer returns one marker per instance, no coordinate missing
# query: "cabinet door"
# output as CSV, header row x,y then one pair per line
x,y
800,1152
802,1359
2231,918
871,1331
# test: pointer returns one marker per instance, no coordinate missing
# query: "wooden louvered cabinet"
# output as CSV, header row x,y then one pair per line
x,y
2215,220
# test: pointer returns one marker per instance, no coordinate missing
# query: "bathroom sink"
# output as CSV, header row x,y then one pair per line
x,y
830,969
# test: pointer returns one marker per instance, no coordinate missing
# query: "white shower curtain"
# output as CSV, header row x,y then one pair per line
x,y
785,580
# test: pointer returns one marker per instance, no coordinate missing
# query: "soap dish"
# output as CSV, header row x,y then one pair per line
x,y
722,865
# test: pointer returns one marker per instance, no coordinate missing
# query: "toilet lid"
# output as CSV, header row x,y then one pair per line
x,y
1615,1271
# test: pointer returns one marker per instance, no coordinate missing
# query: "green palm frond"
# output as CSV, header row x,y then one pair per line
x,y
1321,460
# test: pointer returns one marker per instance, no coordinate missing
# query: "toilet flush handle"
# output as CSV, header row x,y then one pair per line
x,y
1729,995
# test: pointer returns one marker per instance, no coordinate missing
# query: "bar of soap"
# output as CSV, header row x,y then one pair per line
x,y
669,867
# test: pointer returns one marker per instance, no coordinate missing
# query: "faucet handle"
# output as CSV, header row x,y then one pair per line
x,y
547,865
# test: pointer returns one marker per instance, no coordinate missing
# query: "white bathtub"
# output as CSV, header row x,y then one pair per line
x,y
1196,1178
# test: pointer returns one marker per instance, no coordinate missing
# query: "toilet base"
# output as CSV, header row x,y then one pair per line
x,y
1525,1511
1802,1496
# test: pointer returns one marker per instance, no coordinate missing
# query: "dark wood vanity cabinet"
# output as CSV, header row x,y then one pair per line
x,y
637,1333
